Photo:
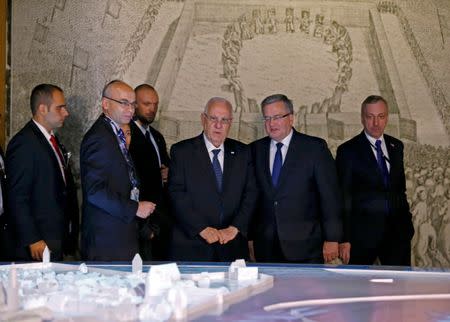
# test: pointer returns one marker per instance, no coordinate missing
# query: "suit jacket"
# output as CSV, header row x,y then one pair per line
x,y
366,216
109,222
304,210
6,235
151,189
197,202
41,205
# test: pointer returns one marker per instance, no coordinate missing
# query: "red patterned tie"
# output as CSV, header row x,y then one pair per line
x,y
58,151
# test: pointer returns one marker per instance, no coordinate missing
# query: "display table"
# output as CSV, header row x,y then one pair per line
x,y
334,293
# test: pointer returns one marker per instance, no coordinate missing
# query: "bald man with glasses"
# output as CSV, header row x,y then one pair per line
x,y
212,190
111,205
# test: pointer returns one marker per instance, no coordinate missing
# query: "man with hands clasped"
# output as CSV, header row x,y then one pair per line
x,y
212,190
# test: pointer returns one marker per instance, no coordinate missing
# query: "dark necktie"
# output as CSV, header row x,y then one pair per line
x,y
277,164
217,169
382,163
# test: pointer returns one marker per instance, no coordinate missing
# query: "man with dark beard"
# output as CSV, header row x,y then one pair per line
x,y
149,154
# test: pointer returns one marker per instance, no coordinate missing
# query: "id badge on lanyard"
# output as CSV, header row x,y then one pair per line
x,y
134,195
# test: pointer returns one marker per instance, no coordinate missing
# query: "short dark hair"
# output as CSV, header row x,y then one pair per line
x,y
144,86
107,88
278,98
372,99
42,94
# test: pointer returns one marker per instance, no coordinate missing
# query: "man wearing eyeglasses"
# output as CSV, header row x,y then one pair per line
x,y
41,194
298,218
149,152
212,190
377,220
111,205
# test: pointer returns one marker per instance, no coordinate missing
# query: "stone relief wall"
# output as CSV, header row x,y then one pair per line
x,y
326,55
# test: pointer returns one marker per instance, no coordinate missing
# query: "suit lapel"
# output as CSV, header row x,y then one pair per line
x,y
108,127
202,155
394,160
228,164
369,158
46,145
292,152
266,160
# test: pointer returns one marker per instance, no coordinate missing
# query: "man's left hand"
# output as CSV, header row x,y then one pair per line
x,y
330,251
227,234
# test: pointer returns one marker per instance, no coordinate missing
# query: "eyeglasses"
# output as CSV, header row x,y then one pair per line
x,y
123,103
275,117
215,119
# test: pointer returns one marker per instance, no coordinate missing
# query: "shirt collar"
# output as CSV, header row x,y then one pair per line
x,y
43,130
210,146
141,127
372,140
286,141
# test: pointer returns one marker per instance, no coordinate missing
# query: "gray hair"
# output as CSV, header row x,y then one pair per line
x,y
278,98
214,100
372,99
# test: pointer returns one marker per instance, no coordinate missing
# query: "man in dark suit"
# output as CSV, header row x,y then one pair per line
x,y
212,189
6,236
149,153
377,221
298,218
110,186
42,201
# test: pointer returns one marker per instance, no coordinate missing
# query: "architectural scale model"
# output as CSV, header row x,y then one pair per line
x,y
54,292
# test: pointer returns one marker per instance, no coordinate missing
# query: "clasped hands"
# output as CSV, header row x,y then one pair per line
x,y
212,235
333,250
145,209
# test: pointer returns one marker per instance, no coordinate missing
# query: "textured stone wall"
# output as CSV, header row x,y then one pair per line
x,y
326,55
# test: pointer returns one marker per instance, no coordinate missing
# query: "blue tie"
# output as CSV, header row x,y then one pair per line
x,y
382,163
277,164
217,169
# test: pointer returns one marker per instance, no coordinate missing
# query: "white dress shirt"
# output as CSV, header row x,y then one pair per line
x,y
48,136
273,149
383,148
210,147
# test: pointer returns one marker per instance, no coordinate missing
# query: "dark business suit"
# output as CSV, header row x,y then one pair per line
x,y
304,210
109,222
197,202
377,221
6,235
41,205
151,189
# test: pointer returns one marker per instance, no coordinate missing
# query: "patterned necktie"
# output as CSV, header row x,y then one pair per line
x,y
277,164
217,169
60,156
126,154
58,151
382,163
